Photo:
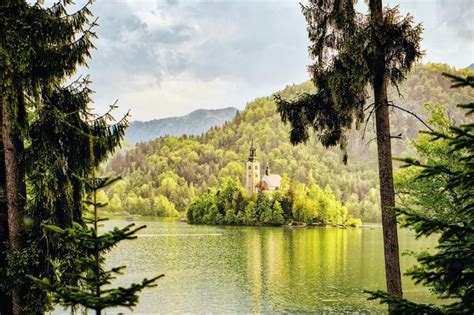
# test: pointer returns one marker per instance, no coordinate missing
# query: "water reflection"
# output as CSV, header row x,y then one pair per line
x,y
259,270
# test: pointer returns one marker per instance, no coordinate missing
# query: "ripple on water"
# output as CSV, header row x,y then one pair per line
x,y
220,270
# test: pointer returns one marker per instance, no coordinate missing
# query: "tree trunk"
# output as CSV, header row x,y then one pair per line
x,y
14,176
387,192
5,299
13,115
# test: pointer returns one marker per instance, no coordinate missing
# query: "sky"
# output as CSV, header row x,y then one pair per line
x,y
169,57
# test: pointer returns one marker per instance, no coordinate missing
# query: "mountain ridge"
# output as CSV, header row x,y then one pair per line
x,y
192,124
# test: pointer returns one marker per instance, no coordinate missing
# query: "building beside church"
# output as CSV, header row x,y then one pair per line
x,y
253,182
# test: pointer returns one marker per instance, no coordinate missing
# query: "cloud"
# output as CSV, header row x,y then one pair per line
x,y
171,2
458,16
141,44
180,94
209,39
226,53
448,35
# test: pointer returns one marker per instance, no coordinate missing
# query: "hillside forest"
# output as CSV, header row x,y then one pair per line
x,y
163,177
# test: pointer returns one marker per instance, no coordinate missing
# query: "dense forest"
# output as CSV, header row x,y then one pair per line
x,y
293,202
162,177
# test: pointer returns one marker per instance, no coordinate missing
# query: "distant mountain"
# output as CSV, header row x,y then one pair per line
x,y
471,67
180,168
194,123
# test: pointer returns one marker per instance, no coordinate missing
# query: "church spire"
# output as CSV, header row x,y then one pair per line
x,y
253,152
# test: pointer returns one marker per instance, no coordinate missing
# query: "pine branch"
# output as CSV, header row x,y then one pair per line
x,y
368,118
411,113
458,81
403,306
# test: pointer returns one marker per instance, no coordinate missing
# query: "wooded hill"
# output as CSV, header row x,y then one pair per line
x,y
163,175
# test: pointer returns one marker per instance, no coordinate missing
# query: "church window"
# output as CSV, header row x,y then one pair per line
x,y
256,167
250,167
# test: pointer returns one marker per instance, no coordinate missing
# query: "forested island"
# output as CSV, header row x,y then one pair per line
x,y
310,205
163,177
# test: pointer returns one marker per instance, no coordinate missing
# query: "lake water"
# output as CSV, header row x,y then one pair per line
x,y
223,270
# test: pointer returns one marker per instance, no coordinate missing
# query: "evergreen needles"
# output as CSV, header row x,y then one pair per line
x,y
91,288
448,272
351,51
51,144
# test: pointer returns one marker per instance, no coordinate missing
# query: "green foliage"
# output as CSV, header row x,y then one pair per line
x,y
194,164
40,49
91,288
277,214
198,163
346,47
419,192
164,208
20,265
448,271
353,222
229,205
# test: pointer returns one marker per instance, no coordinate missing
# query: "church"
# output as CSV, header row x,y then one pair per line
x,y
253,182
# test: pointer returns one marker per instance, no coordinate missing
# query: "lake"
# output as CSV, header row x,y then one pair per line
x,y
219,270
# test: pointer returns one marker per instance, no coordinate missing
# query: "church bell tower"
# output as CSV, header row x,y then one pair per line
x,y
252,176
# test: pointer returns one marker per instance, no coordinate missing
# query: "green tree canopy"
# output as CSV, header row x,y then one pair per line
x,y
448,272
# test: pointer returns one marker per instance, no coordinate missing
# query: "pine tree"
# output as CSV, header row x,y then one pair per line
x,y
90,277
59,160
449,272
45,130
13,120
5,301
352,51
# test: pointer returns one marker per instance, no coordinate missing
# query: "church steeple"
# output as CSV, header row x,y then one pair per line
x,y
253,152
252,176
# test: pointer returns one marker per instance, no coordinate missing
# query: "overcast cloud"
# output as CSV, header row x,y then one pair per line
x,y
168,57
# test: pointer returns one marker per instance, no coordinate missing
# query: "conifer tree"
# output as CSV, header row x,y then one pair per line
x,y
59,158
5,301
448,272
351,52
45,130
91,277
